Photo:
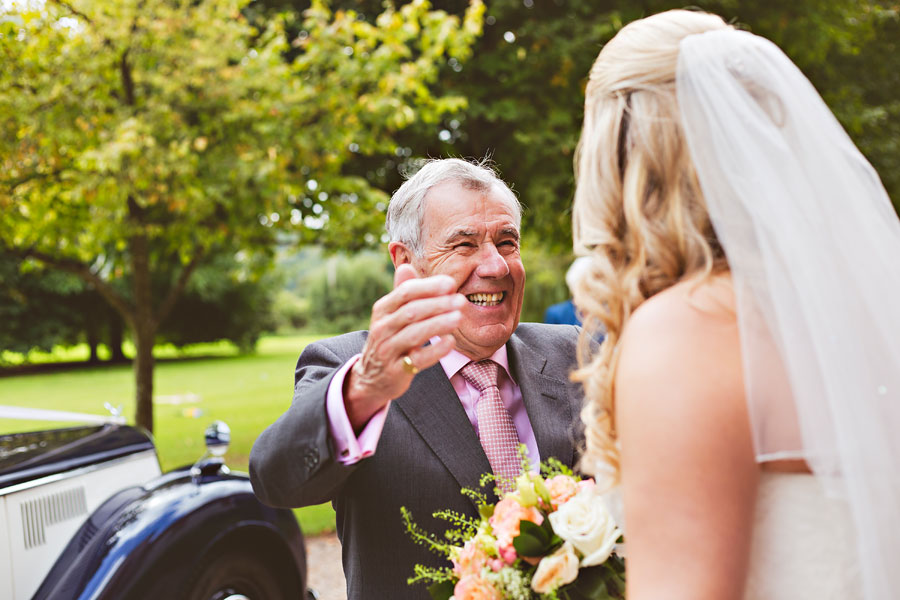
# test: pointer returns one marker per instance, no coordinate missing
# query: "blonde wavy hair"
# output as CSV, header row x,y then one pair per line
x,y
639,211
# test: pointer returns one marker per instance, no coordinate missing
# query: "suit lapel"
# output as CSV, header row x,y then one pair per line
x,y
434,409
546,401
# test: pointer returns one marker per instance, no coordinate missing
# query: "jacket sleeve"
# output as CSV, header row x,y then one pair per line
x,y
292,462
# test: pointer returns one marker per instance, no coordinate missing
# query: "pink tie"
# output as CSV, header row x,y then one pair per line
x,y
495,425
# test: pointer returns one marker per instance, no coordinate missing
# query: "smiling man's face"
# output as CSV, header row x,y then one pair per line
x,y
472,236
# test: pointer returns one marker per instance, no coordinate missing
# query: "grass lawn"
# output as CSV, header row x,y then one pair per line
x,y
211,382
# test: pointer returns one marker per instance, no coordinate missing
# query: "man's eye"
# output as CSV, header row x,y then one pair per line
x,y
464,245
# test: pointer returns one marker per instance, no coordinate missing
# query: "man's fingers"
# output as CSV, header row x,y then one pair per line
x,y
410,289
414,335
421,309
429,355
404,272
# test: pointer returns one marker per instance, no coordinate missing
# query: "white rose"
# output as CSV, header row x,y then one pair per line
x,y
585,522
555,570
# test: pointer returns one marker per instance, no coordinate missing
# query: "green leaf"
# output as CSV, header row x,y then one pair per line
x,y
441,591
533,540
600,582
590,585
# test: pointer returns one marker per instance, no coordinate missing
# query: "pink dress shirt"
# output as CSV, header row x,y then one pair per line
x,y
351,449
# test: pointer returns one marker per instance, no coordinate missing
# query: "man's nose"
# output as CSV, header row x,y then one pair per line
x,y
491,265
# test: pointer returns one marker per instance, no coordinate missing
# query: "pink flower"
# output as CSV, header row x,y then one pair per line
x,y
561,488
507,515
471,559
508,554
473,587
585,484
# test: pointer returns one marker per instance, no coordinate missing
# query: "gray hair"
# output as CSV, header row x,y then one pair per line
x,y
407,207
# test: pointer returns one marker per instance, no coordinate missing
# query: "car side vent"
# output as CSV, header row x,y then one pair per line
x,y
49,510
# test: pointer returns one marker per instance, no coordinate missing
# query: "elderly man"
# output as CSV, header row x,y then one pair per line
x,y
442,387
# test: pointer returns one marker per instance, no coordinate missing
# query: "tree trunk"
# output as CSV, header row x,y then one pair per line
x,y
93,340
116,331
144,325
143,374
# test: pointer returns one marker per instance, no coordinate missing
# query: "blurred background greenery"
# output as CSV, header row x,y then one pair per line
x,y
179,181
196,386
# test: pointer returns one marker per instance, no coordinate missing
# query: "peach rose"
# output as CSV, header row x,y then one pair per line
x,y
474,587
561,488
555,570
507,515
471,558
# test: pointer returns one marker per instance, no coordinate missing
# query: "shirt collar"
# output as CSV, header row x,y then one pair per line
x,y
456,360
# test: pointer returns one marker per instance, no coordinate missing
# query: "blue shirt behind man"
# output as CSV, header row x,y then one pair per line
x,y
562,313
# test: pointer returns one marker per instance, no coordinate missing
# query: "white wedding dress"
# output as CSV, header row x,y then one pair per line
x,y
803,545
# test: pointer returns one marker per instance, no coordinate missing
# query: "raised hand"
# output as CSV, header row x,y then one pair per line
x,y
416,310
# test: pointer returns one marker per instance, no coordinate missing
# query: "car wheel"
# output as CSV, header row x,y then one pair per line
x,y
240,575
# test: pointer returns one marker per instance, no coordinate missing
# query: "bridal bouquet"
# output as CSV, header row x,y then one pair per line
x,y
551,539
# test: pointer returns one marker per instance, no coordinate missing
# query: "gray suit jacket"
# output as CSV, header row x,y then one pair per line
x,y
428,450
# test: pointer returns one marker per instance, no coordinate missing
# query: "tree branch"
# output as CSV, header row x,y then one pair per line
x,y
14,183
127,81
84,272
73,10
24,87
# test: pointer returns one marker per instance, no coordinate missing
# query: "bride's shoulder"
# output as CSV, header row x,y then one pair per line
x,y
707,303
682,330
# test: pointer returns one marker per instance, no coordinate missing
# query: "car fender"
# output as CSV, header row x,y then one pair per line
x,y
147,541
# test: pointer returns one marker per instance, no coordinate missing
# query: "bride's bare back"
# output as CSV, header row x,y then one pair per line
x,y
688,468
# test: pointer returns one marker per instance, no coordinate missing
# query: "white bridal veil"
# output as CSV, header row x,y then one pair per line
x,y
814,249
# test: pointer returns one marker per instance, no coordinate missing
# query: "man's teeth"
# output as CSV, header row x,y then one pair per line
x,y
486,299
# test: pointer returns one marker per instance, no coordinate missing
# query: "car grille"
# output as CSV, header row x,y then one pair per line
x,y
48,510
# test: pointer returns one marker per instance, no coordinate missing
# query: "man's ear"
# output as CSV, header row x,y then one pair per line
x,y
400,254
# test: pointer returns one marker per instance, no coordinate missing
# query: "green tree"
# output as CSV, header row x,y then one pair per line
x,y
135,131
34,309
231,297
525,88
42,307
342,291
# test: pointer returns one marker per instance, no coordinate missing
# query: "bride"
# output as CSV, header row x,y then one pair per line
x,y
745,268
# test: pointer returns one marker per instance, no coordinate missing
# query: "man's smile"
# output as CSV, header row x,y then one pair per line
x,y
486,299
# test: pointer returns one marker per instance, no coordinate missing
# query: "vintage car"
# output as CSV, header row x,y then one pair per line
x,y
85,512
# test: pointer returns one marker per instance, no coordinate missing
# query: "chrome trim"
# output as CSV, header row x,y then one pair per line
x,y
41,414
27,485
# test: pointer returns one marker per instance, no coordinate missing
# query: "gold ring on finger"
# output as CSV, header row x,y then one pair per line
x,y
408,365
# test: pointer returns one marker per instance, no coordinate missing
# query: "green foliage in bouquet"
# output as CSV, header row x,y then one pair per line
x,y
551,538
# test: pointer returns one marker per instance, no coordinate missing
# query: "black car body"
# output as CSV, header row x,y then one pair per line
x,y
85,513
